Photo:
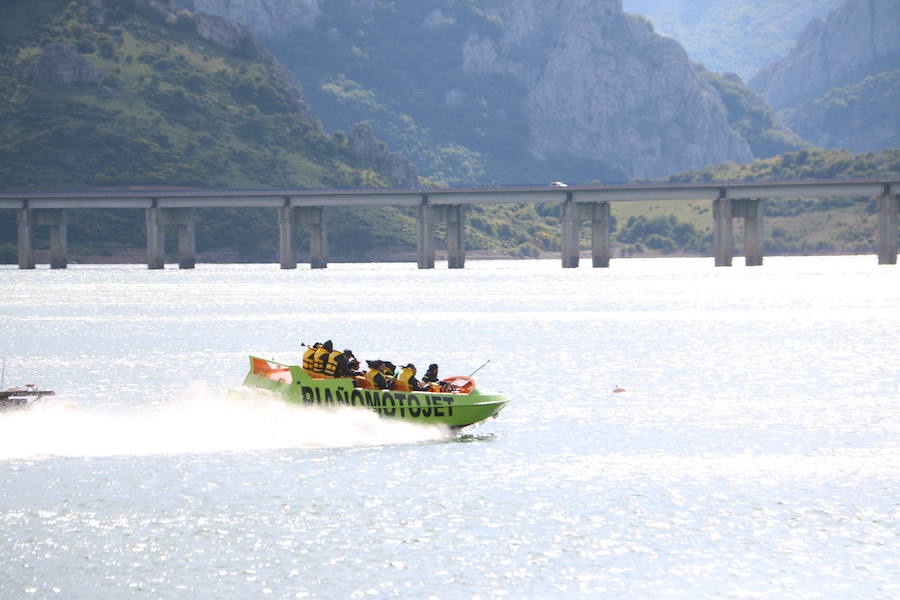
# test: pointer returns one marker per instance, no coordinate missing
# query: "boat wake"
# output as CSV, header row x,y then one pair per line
x,y
200,422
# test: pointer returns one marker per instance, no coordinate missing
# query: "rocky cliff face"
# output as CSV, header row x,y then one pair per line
x,y
859,38
599,85
602,85
736,36
364,145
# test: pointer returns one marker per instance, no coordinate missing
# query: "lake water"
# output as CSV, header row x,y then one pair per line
x,y
755,453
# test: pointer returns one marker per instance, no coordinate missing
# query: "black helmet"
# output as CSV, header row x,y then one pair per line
x,y
433,367
374,364
348,353
328,346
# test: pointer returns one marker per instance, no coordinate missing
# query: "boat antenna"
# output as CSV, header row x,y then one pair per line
x,y
479,368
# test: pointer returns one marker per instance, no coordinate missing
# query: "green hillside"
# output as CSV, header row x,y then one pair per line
x,y
861,116
168,109
124,96
792,226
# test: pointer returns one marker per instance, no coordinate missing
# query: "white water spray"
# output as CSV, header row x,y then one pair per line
x,y
201,421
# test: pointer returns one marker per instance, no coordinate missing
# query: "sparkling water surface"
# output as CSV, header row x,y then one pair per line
x,y
755,453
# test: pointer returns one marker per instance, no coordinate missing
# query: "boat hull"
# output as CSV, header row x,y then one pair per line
x,y
428,408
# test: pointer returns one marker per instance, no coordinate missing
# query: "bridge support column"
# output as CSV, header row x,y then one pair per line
x,y
456,236
569,234
425,234
751,209
887,207
313,217
156,240
287,236
187,235
157,219
723,238
600,234
55,218
25,222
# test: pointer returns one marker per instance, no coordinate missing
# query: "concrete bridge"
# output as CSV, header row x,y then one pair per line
x,y
579,203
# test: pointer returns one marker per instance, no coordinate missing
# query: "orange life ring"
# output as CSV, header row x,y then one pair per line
x,y
460,383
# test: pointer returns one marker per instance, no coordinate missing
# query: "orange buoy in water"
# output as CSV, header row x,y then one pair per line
x,y
618,390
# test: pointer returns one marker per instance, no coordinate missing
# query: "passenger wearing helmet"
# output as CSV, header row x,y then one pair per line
x,y
431,375
321,357
309,363
433,381
375,377
338,364
407,382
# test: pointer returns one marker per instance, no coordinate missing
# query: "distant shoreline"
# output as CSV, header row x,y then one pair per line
x,y
129,256
139,256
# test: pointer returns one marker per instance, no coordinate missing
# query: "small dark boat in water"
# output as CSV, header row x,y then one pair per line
x,y
20,397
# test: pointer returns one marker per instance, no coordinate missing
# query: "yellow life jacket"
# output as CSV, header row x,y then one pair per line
x,y
331,364
319,360
402,381
309,363
370,377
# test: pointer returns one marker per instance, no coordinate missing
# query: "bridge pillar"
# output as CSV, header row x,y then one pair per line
x,y
183,218
156,241
887,207
287,236
55,218
425,218
157,219
723,238
456,236
429,215
313,217
25,222
600,234
751,209
569,235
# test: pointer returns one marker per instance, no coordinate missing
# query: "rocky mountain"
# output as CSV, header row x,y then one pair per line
x,y
500,91
605,86
840,85
736,36
858,39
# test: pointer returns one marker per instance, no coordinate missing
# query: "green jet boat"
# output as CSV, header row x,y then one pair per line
x,y
461,405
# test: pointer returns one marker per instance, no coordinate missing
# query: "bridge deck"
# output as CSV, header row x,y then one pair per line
x,y
304,207
274,198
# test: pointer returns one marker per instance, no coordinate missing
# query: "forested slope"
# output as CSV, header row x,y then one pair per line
x,y
112,93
